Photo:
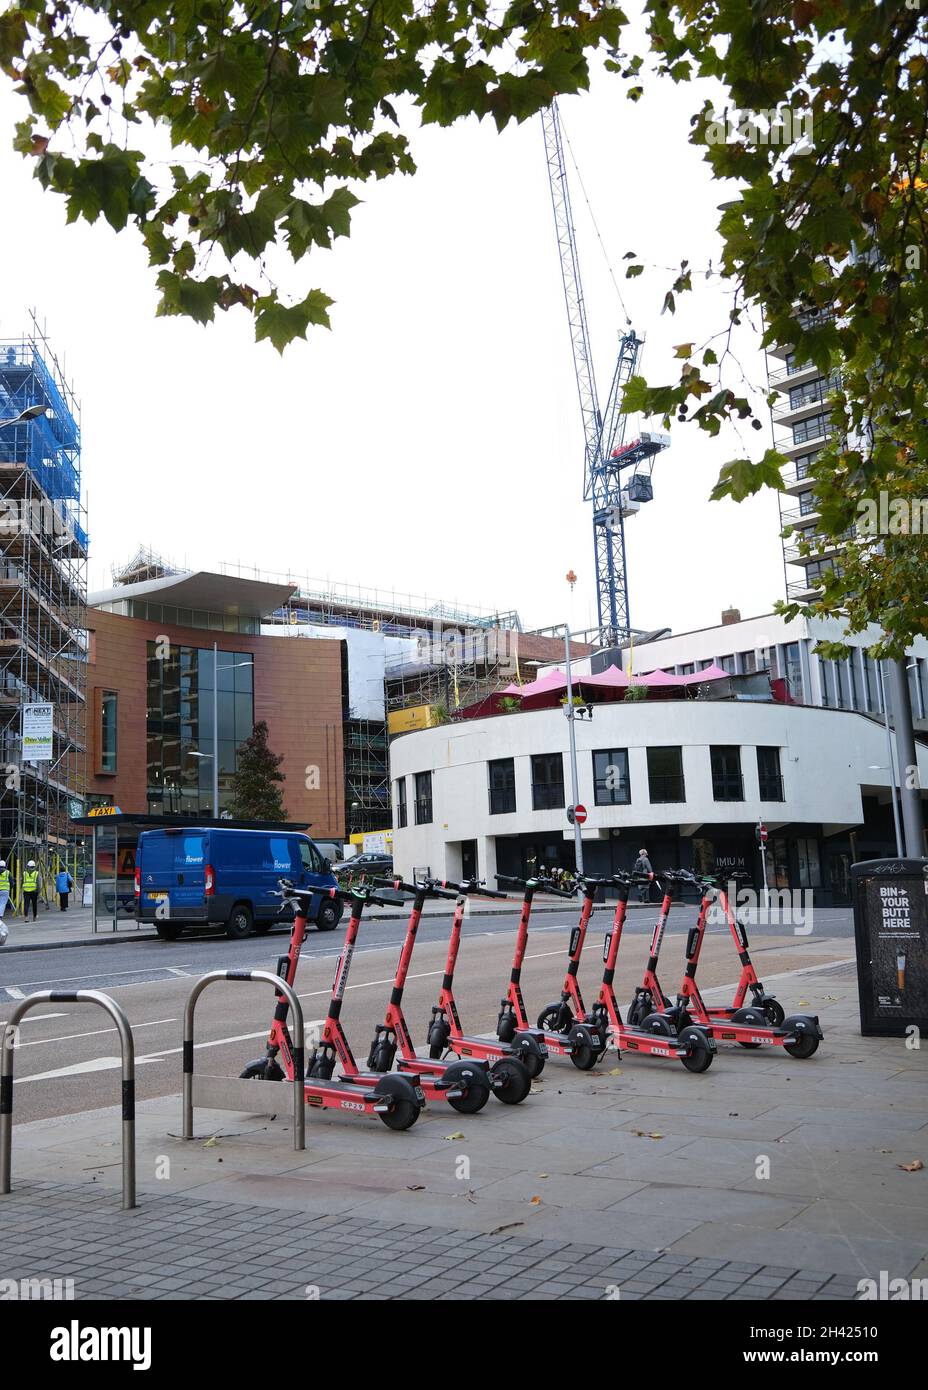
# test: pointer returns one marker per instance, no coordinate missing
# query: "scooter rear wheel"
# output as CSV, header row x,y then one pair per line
x,y
403,1115
513,1080
474,1084
804,1046
584,1057
264,1069
700,1056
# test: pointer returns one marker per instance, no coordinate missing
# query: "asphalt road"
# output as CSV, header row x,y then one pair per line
x,y
68,1055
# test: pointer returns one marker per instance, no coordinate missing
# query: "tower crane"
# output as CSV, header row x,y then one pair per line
x,y
606,455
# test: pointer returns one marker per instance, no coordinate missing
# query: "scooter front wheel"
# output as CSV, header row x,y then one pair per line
x,y
774,1012
264,1069
512,1081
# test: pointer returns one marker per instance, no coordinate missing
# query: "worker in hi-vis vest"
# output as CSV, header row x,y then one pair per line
x,y
31,890
4,899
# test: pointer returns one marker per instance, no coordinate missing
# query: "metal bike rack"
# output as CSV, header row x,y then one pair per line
x,y
127,1049
236,1093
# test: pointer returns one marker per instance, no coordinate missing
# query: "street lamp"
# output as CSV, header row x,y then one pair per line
x,y
32,412
574,781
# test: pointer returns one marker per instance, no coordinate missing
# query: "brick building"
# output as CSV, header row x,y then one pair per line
x,y
156,648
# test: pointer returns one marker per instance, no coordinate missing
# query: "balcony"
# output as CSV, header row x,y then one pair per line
x,y
799,516
792,375
803,401
819,545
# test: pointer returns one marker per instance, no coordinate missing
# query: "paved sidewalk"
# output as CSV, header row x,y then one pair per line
x,y
764,1178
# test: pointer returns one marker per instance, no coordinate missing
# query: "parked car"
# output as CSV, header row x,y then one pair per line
x,y
211,877
364,864
333,850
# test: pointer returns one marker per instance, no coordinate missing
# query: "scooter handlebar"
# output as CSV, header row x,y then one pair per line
x,y
414,889
467,885
544,885
364,895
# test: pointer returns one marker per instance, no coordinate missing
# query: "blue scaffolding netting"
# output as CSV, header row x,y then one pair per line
x,y
50,445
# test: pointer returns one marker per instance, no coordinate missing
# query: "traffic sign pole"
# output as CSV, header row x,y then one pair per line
x,y
762,842
574,784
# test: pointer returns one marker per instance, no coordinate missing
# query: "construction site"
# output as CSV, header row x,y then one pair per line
x,y
43,591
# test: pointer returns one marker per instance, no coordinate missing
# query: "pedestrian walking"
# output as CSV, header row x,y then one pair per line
x,y
643,866
31,890
63,885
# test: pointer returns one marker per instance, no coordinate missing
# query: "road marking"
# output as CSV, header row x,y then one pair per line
x,y
78,1069
32,1018
95,1033
13,992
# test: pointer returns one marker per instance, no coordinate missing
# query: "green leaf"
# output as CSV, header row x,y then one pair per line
x,y
281,324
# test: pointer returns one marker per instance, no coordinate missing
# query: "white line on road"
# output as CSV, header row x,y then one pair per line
x,y
77,1069
13,992
94,1033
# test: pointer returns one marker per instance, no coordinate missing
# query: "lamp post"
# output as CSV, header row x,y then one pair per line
x,y
574,781
900,852
32,412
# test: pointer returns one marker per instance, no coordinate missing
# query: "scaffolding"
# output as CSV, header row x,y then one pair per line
x,y
43,594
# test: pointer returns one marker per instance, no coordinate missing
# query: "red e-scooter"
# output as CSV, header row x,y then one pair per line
x,y
465,1085
445,1033
690,1044
761,1024
396,1099
565,1034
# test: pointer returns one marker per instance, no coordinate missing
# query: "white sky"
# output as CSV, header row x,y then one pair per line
x,y
431,443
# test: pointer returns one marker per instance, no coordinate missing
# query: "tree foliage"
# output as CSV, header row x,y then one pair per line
x,y
273,114
255,793
826,235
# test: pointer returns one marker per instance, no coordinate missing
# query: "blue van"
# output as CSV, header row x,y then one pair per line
x,y
209,877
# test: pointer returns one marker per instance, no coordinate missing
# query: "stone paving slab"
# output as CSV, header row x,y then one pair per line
x,y
350,1258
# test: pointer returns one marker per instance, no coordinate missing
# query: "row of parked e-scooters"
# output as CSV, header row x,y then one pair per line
x,y
462,1070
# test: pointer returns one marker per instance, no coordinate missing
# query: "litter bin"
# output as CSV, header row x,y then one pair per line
x,y
891,935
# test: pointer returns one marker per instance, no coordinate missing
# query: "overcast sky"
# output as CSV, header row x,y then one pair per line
x,y
432,442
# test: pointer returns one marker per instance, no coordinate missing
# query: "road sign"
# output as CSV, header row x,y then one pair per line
x,y
579,814
761,833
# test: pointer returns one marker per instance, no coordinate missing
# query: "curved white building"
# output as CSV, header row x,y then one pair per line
x,y
687,779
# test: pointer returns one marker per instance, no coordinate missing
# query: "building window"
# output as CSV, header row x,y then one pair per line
x,y
401,812
179,725
107,745
423,798
769,777
547,781
793,670
748,662
727,782
502,780
812,428
665,774
610,777
871,685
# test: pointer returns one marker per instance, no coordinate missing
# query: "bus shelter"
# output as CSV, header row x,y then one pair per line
x,y
110,890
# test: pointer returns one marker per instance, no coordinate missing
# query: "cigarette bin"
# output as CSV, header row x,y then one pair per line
x,y
891,936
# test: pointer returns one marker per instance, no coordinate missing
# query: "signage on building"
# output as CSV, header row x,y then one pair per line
x,y
891,931
104,811
37,733
404,721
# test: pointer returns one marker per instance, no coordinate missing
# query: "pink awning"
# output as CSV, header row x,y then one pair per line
x,y
709,673
613,678
657,678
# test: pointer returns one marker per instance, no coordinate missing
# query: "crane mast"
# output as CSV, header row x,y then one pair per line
x,y
606,457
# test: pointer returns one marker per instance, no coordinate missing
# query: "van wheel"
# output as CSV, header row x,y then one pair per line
x,y
329,914
240,922
167,933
